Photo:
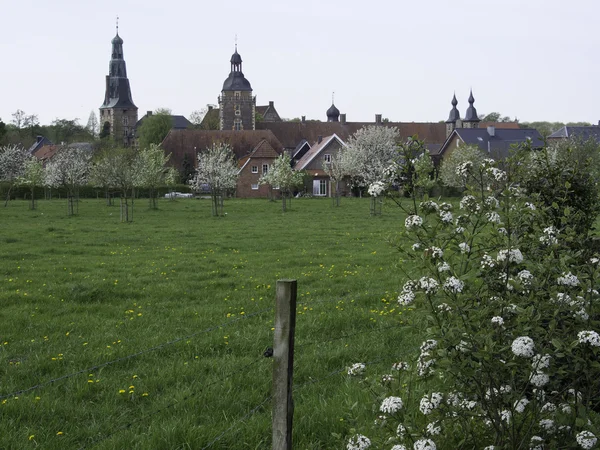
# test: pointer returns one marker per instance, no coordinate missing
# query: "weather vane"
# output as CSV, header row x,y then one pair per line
x,y
236,42
117,24
333,98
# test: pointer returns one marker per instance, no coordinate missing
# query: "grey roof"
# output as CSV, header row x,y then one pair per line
x,y
498,145
584,133
236,82
178,122
236,57
471,115
118,91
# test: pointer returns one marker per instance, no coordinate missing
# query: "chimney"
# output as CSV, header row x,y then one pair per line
x,y
377,119
303,119
319,139
39,138
149,113
271,103
210,107
343,118
491,131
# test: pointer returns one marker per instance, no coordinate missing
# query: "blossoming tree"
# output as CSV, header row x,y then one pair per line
x,y
33,177
12,165
281,176
216,168
509,359
150,171
343,165
69,169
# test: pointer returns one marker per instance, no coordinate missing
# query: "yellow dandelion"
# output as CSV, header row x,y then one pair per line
x,y
60,433
121,391
31,437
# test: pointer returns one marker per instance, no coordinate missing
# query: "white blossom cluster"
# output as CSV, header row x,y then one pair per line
x,y
513,255
413,221
446,217
416,246
356,369
497,320
538,364
376,189
523,346
530,206
429,206
433,428
493,217
400,366
549,236
589,337
428,285
435,252
443,267
462,170
586,439
487,262
469,203
492,203
464,247
536,443
525,277
424,444
454,285
358,442
496,174
547,425
391,405
399,447
505,416
444,307
568,279
520,405
407,296
430,402
426,361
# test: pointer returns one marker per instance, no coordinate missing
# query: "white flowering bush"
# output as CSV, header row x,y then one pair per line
x,y
511,347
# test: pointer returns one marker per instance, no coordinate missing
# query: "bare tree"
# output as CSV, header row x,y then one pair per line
x,y
18,118
92,125
33,176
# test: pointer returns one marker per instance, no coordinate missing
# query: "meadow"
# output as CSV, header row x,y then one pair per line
x,y
155,330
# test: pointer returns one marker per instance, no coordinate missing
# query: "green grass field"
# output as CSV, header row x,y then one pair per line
x,y
82,291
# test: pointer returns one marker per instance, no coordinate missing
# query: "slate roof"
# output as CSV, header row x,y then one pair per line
x,y
290,134
584,133
315,150
497,146
46,152
188,141
39,143
178,122
211,117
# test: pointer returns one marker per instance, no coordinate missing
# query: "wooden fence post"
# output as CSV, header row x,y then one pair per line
x,y
283,364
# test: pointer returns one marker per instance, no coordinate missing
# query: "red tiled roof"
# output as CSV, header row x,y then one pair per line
x,y
291,133
190,142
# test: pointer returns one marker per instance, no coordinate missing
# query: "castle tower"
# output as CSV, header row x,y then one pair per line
x,y
118,113
453,119
471,118
237,106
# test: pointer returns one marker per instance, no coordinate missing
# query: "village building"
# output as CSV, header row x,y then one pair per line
x,y
252,168
583,133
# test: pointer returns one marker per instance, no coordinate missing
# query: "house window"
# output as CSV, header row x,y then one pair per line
x,y
124,131
265,168
237,110
125,120
255,187
327,158
237,95
320,188
254,169
237,125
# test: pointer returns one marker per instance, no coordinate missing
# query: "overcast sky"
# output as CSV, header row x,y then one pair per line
x,y
531,59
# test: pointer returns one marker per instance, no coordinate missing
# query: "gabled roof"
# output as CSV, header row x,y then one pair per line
x,y
291,133
497,145
302,147
262,150
39,143
584,133
189,141
314,151
46,152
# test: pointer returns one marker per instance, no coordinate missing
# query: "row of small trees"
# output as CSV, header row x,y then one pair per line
x,y
115,169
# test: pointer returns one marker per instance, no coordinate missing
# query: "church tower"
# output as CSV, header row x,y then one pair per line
x,y
118,113
237,106
453,121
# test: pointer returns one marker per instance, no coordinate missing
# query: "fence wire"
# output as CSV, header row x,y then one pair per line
x,y
133,355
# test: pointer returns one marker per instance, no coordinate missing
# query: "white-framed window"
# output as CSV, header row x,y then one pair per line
x,y
276,188
265,168
255,187
327,157
320,188
254,169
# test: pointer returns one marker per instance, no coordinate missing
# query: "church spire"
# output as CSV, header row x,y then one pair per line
x,y
454,114
471,118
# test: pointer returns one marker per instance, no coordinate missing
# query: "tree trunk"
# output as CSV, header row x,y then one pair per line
x,y
7,196
32,204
